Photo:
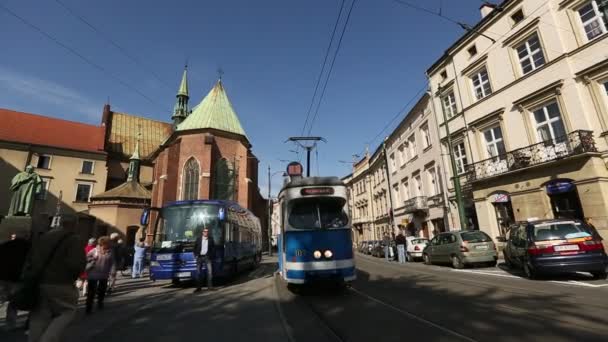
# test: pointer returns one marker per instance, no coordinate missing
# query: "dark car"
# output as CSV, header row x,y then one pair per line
x,y
556,246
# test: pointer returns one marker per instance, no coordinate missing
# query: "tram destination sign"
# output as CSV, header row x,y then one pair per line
x,y
317,191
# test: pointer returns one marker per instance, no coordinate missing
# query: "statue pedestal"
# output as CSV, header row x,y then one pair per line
x,y
22,225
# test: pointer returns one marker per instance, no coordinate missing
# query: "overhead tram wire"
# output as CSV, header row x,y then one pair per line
x,y
78,54
331,67
116,45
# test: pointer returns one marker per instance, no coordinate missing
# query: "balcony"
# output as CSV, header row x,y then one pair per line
x,y
419,203
575,143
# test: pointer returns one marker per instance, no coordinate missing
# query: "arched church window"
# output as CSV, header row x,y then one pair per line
x,y
190,176
224,179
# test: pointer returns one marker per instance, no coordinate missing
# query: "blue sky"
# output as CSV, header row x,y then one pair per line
x,y
270,50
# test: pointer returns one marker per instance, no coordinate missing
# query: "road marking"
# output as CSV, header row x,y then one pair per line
x,y
488,273
413,316
578,283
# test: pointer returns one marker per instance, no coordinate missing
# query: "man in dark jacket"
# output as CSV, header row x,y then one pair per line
x,y
204,252
13,255
59,259
400,240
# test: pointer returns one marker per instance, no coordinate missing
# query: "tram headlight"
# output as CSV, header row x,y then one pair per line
x,y
317,254
328,254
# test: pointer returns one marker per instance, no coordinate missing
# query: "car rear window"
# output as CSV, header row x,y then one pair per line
x,y
475,236
419,241
560,231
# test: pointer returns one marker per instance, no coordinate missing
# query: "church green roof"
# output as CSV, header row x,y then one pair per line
x,y
215,111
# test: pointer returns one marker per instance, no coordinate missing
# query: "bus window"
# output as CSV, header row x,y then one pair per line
x,y
318,213
186,223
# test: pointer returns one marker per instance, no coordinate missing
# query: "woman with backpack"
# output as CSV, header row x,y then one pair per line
x,y
101,262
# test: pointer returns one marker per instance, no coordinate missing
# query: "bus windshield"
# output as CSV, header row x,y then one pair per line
x,y
185,223
318,213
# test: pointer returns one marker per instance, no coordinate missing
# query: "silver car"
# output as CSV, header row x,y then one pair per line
x,y
461,248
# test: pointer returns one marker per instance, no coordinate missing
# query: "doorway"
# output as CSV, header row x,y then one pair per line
x,y
565,202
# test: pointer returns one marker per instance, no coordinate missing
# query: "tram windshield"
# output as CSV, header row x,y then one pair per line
x,y
183,224
318,213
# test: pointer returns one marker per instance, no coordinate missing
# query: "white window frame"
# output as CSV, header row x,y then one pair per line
x,y
483,88
90,192
548,121
460,155
412,146
492,146
406,190
92,167
44,155
432,181
426,135
602,23
450,107
393,163
397,194
402,155
529,53
418,187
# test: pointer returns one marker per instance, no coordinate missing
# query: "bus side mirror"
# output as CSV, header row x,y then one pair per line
x,y
145,217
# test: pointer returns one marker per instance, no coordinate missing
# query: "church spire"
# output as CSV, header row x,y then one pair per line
x,y
180,111
134,163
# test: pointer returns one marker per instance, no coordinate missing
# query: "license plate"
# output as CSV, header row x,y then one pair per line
x,y
163,257
481,247
566,248
183,274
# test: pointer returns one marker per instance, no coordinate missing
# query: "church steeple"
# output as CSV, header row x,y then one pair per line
x,y
180,111
134,162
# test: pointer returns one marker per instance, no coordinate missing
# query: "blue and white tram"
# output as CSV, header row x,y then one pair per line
x,y
315,242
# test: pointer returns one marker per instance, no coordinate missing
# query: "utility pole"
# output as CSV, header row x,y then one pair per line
x,y
308,147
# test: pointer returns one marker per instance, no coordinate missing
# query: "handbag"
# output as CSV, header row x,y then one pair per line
x,y
27,294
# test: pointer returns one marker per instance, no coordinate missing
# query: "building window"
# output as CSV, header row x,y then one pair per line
x,y
44,189
83,192
418,186
549,125
444,75
44,162
432,181
426,136
594,18
461,158
449,104
412,145
393,163
494,143
402,156
190,175
472,51
481,84
397,195
406,191
87,167
530,54
517,17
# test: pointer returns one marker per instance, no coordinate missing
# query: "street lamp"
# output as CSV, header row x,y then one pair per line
x,y
270,175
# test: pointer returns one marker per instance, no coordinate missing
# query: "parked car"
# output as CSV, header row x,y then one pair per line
x,y
378,249
414,247
556,246
368,247
461,248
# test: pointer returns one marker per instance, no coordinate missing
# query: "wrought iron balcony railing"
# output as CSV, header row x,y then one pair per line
x,y
415,204
577,142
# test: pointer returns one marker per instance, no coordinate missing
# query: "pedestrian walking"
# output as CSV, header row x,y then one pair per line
x,y
82,282
117,248
401,241
13,255
138,259
54,264
386,240
204,252
101,263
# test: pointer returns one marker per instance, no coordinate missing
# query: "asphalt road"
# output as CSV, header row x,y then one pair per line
x,y
388,302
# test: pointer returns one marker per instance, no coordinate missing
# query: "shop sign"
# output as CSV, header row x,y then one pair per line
x,y
500,198
559,187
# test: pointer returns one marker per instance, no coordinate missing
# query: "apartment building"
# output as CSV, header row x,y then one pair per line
x,y
380,196
524,95
416,173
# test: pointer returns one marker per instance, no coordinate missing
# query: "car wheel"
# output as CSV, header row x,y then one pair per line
x,y
457,263
427,259
529,272
599,275
492,263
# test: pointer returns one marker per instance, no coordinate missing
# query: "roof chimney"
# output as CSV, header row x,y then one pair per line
x,y
486,9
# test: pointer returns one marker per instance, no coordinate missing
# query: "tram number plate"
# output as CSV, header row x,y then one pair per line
x,y
184,274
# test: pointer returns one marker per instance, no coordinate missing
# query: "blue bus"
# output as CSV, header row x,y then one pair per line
x,y
235,230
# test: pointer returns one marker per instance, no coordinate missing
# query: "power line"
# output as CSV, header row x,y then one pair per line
x,y
331,67
78,54
108,39
314,95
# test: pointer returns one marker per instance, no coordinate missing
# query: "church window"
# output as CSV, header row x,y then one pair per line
x,y
190,175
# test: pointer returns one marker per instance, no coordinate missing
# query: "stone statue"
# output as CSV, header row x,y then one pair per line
x,y
25,185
